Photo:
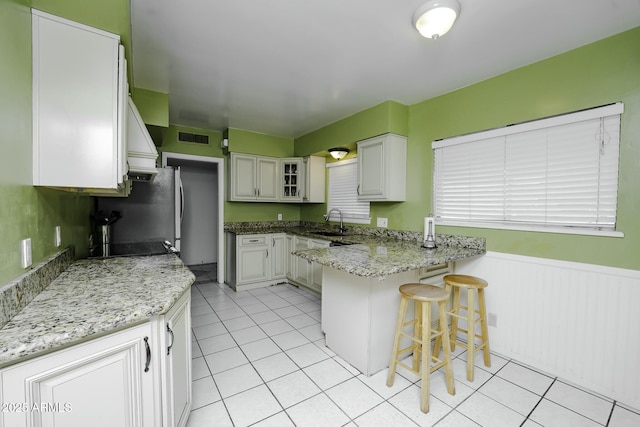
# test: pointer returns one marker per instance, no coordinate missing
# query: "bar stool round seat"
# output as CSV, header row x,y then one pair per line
x,y
473,286
424,361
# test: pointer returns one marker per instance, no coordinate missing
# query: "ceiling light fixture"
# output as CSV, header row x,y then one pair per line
x,y
434,18
339,152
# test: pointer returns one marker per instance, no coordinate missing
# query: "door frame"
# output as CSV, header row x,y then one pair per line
x,y
220,162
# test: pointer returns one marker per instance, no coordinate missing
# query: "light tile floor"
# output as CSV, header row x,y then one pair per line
x,y
259,359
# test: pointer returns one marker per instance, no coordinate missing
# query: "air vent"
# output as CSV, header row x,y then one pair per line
x,y
193,137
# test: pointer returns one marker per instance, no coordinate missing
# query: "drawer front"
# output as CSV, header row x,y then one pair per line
x,y
253,240
435,270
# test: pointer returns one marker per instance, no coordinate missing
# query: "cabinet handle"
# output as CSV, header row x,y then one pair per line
x,y
148,362
253,240
273,242
358,189
267,253
258,192
172,339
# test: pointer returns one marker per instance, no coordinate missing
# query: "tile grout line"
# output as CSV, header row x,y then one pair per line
x,y
285,294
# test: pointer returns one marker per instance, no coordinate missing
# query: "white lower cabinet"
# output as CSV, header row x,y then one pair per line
x,y
288,257
307,273
125,378
105,382
300,265
176,353
278,256
255,260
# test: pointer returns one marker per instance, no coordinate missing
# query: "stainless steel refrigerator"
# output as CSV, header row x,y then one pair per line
x,y
152,212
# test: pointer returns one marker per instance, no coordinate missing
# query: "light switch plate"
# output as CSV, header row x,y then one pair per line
x,y
382,222
25,247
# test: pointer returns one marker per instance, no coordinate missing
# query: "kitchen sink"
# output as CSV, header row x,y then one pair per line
x,y
336,243
329,233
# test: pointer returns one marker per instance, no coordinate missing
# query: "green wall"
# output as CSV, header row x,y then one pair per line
x,y
26,211
108,15
600,73
382,118
244,142
152,106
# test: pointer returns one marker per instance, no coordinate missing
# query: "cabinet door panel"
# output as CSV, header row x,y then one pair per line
x,y
278,256
382,168
371,168
243,181
253,264
290,259
101,383
178,358
268,179
291,179
316,268
75,79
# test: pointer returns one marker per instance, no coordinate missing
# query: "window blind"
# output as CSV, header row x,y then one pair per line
x,y
560,171
343,183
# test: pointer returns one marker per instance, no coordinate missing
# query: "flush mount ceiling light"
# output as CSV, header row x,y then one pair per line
x,y
338,153
434,18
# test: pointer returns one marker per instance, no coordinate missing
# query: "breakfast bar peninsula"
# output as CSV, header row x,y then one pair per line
x,y
360,281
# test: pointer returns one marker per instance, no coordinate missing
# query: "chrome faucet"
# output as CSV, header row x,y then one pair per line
x,y
328,215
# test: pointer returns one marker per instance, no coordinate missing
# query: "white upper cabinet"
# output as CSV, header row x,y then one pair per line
x,y
253,178
291,178
79,106
269,179
314,179
382,168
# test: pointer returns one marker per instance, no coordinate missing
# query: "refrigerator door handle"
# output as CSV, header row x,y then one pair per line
x,y
179,207
181,201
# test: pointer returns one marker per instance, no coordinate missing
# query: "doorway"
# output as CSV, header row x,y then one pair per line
x,y
202,242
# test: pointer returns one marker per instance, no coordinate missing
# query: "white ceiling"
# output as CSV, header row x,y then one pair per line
x,y
287,67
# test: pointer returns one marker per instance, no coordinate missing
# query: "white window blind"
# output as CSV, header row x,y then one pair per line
x,y
343,195
559,172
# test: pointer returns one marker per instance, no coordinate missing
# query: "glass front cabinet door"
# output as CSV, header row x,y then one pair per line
x,y
292,185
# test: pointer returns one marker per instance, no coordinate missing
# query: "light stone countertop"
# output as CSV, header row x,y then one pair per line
x,y
380,258
372,252
91,298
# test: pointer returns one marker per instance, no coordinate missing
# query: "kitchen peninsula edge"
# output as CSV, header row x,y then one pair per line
x,y
360,297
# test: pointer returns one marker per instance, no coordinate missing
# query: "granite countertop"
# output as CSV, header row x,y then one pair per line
x,y
372,252
380,258
91,298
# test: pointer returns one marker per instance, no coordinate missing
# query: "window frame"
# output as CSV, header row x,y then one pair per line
x,y
494,135
347,216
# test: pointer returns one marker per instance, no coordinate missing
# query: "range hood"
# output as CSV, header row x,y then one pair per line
x,y
142,153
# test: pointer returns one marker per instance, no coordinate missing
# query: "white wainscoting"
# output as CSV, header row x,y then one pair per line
x,y
579,322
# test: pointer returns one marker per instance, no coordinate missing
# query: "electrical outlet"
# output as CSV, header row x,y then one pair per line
x,y
25,251
382,222
279,217
493,320
58,236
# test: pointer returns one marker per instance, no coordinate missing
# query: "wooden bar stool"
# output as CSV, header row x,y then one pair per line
x,y
473,285
422,295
